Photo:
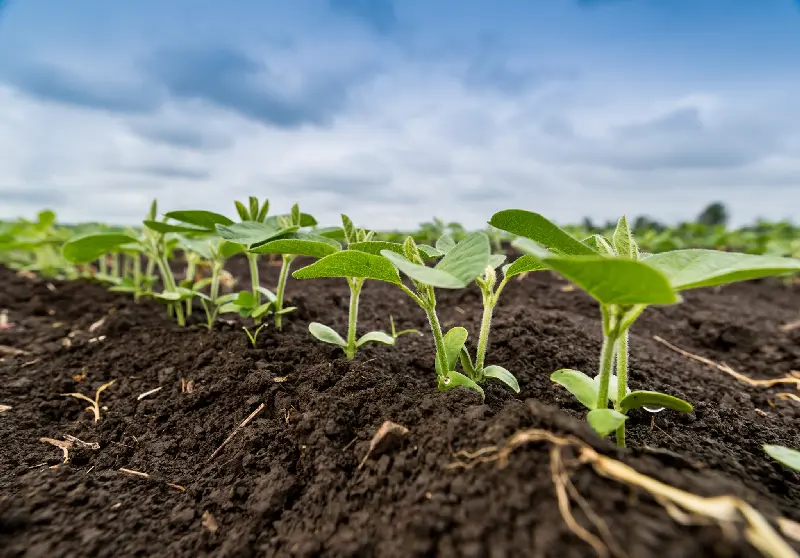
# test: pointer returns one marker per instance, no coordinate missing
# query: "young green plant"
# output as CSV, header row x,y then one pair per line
x,y
322,268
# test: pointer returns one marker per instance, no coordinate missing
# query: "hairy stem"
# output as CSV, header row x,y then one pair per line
x,y
483,338
252,259
606,364
279,294
622,381
169,286
355,292
216,269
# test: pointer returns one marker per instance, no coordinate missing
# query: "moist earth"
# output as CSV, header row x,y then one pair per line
x,y
294,481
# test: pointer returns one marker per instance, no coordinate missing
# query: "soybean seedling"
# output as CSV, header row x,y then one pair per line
x,y
253,336
94,403
624,282
353,236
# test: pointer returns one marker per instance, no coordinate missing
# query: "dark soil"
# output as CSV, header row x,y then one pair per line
x,y
289,483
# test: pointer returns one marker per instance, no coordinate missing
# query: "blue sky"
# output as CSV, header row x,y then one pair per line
x,y
397,110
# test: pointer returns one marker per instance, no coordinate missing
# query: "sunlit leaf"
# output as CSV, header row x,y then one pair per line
x,y
605,421
600,244
453,379
503,375
445,243
301,244
468,259
578,384
248,232
453,342
786,456
207,220
423,274
165,228
376,246
375,337
523,264
541,230
350,263
89,247
638,399
496,260
326,334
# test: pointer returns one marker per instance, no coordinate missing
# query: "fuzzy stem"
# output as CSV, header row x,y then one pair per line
x,y
252,259
483,338
215,272
169,285
606,364
622,381
285,265
355,292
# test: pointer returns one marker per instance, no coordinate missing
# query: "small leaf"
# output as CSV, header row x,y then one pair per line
x,y
230,249
466,362
375,337
786,456
600,244
350,263
445,243
453,342
423,274
605,421
242,211
496,260
286,310
247,232
429,252
254,206
578,384
326,334
267,293
500,373
164,228
262,310
523,264
306,220
350,231
690,269
623,240
300,244
541,230
468,259
376,246
169,296
245,299
615,280
89,247
207,220
637,399
453,379
296,215
262,213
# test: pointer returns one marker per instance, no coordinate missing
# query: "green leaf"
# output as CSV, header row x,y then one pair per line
x,y
301,244
605,421
267,293
466,362
89,247
613,386
229,249
245,299
168,296
306,220
376,246
615,280
599,244
453,379
429,252
578,384
207,220
375,337
286,310
786,456
468,259
254,206
164,228
637,399
350,263
350,231
262,309
46,218
296,215
690,269
496,260
242,211
523,264
453,342
541,230
248,232
334,233
423,274
623,240
326,334
500,373
262,213
445,243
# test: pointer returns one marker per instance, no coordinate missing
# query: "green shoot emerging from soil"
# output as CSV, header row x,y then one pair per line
x,y
252,336
785,456
322,268
625,282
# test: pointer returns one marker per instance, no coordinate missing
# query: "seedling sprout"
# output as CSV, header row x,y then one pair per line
x,y
94,403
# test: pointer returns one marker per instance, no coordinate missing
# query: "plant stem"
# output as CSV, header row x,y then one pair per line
x,y
252,259
169,285
102,268
114,266
215,272
483,338
622,381
606,364
287,262
137,276
355,292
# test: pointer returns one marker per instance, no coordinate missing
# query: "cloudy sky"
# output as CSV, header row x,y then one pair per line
x,y
398,110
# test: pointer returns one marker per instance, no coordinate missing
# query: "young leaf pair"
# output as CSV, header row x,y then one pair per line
x,y
331,266
624,282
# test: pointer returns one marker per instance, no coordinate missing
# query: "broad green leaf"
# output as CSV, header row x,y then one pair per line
x,y
615,280
326,334
690,269
229,249
541,230
267,293
207,220
786,456
89,247
429,252
423,274
46,218
228,308
203,247
226,298
500,373
445,243
375,337
247,232
605,421
466,362
262,309
496,260
578,384
623,241
165,228
468,259
301,244
599,244
334,233
453,379
453,342
245,299
637,399
350,263
376,246
350,231
523,264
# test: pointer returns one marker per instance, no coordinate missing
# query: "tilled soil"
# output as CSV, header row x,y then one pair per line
x,y
295,481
